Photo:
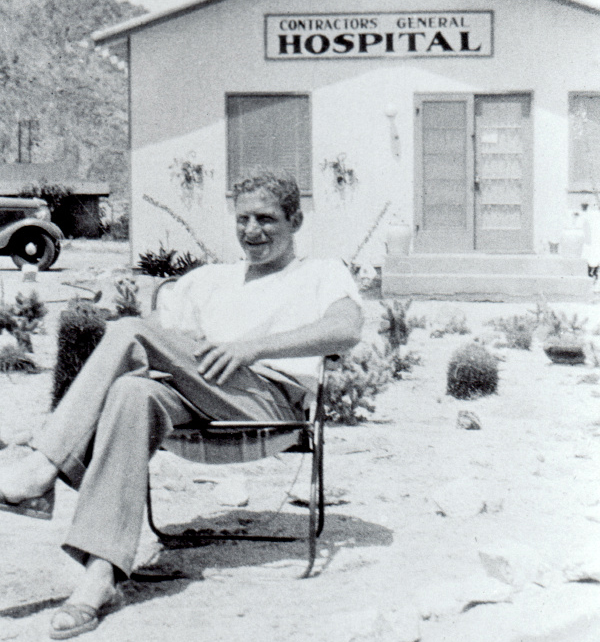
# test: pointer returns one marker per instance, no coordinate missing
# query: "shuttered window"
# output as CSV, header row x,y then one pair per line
x,y
584,153
269,131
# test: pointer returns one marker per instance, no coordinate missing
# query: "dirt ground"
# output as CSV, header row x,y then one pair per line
x,y
433,532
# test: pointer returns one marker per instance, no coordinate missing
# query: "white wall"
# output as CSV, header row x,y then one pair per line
x,y
182,69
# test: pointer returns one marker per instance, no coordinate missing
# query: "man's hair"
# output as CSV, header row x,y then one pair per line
x,y
281,184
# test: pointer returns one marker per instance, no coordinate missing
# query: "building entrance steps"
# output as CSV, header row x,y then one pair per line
x,y
487,277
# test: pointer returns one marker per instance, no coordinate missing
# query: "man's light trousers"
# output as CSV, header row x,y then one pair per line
x,y
113,418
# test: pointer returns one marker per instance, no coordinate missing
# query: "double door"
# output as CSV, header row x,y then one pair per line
x,y
473,170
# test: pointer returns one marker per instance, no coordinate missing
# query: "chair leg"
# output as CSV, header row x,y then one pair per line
x,y
151,523
316,518
312,516
319,454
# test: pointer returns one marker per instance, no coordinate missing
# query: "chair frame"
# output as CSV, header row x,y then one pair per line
x,y
310,439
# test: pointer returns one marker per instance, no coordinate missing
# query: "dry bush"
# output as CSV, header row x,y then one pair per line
x,y
472,372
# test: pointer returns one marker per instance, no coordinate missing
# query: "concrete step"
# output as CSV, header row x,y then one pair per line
x,y
499,264
487,287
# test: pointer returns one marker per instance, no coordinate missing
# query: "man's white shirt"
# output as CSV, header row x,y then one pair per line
x,y
215,302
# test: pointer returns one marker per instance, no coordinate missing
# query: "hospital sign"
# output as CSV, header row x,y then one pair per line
x,y
379,35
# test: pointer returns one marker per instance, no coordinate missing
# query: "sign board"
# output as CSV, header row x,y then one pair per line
x,y
379,35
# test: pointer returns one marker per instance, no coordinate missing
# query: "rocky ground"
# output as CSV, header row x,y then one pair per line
x,y
433,532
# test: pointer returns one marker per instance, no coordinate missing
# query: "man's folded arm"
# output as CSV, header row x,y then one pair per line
x,y
338,330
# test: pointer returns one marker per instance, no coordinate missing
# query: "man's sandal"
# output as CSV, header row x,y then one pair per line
x,y
38,507
85,619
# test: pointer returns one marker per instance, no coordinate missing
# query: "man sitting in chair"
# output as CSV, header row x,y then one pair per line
x,y
241,342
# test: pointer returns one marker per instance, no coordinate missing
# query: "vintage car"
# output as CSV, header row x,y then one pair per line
x,y
26,233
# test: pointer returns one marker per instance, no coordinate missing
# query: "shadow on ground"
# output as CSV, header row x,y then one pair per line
x,y
174,568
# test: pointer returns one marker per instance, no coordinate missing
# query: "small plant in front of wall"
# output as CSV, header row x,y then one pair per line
x,y
518,330
167,262
343,176
189,175
395,328
208,255
126,301
394,325
457,324
17,323
353,382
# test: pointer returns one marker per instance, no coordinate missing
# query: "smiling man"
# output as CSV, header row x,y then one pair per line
x,y
242,342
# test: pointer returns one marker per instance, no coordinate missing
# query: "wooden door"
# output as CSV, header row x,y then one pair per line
x,y
473,173
444,173
503,174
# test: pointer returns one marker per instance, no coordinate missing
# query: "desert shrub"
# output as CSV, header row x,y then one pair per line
x,y
352,385
7,319
559,324
518,330
16,359
556,324
400,364
23,318
126,301
454,325
167,262
394,327
472,372
186,262
30,308
157,263
593,353
81,326
208,255
417,322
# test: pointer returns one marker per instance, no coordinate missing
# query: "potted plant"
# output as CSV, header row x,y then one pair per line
x,y
566,349
564,341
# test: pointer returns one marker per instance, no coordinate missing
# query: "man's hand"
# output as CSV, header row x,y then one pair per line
x,y
219,361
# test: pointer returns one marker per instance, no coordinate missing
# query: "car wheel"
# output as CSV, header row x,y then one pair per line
x,y
56,251
34,247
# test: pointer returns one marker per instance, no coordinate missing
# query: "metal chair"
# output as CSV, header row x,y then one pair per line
x,y
220,442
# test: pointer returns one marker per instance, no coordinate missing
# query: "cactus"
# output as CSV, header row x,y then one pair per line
x,y
472,372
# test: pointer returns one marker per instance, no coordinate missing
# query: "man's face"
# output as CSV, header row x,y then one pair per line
x,y
263,231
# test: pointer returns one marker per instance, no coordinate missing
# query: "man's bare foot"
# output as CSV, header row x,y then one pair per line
x,y
96,589
26,477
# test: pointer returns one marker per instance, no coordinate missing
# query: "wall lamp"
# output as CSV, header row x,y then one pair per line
x,y
391,111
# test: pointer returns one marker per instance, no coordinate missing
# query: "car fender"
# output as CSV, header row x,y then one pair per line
x,y
6,233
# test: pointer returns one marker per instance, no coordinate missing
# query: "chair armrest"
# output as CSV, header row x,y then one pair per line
x,y
158,288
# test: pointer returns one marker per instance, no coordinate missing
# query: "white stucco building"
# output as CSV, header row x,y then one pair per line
x,y
475,122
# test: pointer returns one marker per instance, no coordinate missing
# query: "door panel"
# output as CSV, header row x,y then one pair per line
x,y
473,173
503,174
444,166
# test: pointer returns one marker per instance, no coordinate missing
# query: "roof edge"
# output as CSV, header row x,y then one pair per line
x,y
125,29
584,6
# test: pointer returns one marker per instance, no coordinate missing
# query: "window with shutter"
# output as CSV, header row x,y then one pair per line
x,y
269,130
584,153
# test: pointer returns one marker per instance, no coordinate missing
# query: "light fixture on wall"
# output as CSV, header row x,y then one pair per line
x,y
391,111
